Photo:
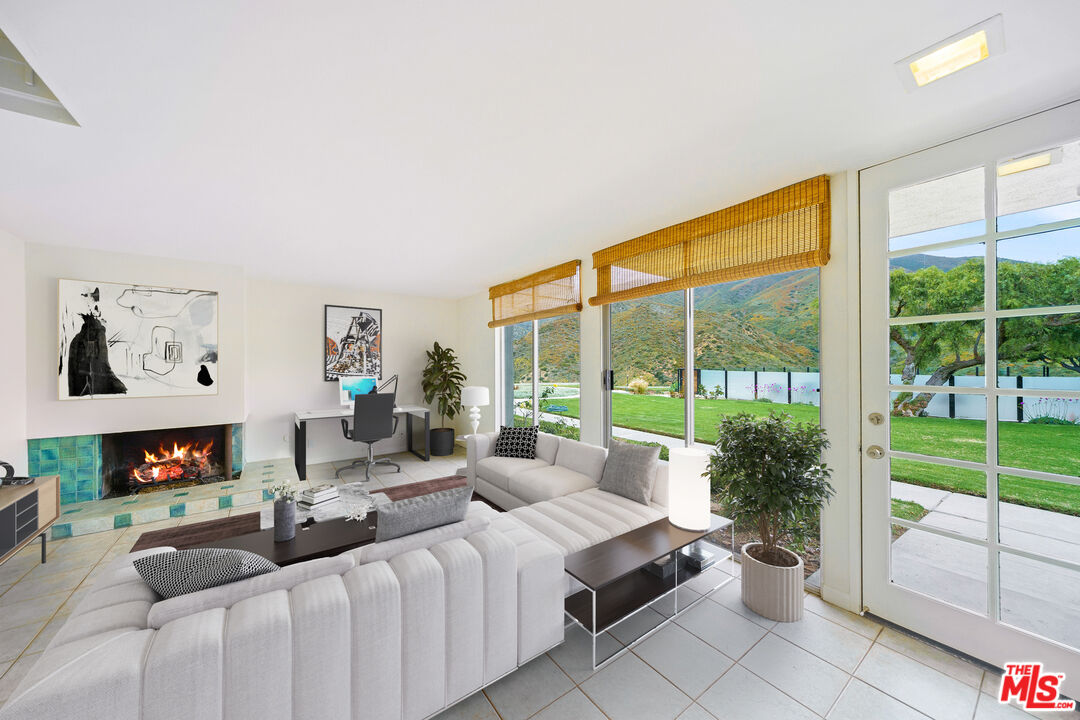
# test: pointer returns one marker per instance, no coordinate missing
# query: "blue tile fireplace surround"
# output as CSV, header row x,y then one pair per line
x,y
79,461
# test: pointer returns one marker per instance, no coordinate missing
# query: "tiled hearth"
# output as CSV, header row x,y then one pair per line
x,y
150,507
87,506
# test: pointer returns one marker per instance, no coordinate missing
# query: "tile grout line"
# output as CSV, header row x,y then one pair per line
x,y
851,675
56,612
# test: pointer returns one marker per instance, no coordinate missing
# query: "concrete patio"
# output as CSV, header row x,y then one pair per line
x,y
1038,597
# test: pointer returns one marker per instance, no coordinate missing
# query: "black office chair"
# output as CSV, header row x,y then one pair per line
x,y
373,420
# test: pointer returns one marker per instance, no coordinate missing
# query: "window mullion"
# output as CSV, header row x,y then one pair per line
x,y
689,386
536,372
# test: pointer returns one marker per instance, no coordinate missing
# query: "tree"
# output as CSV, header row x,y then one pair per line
x,y
947,348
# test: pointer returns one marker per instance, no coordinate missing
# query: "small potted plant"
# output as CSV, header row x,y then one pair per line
x,y
441,382
284,510
768,470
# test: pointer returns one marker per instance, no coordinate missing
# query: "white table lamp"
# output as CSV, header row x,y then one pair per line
x,y
689,499
475,397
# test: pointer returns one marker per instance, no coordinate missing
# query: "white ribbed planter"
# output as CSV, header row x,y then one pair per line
x,y
770,591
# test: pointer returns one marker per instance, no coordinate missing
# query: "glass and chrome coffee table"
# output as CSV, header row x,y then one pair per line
x,y
619,582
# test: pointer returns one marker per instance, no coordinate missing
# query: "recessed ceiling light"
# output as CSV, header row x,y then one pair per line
x,y
1029,162
952,54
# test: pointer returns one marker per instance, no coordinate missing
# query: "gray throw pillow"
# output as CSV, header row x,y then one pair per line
x,y
186,571
630,471
423,512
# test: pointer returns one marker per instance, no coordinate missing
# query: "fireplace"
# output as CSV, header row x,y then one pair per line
x,y
148,460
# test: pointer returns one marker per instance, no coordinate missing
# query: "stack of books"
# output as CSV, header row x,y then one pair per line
x,y
317,496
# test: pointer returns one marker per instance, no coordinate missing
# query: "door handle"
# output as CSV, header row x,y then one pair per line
x,y
875,452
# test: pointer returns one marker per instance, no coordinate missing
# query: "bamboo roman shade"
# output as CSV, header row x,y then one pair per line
x,y
787,229
544,294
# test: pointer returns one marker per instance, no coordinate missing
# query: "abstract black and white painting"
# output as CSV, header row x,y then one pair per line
x,y
121,340
353,342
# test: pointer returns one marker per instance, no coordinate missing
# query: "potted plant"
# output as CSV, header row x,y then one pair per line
x,y
768,470
442,383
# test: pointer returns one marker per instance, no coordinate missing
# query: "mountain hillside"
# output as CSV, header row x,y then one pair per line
x,y
768,322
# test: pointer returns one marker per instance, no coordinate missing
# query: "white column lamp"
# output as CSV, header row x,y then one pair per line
x,y
689,501
475,397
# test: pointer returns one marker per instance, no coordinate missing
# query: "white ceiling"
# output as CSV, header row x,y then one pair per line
x,y
438,148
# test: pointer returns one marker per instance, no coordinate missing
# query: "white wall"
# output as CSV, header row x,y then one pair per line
x,y
285,361
841,549
592,342
12,357
46,416
476,350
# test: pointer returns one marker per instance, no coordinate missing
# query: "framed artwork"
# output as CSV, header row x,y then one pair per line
x,y
118,340
353,342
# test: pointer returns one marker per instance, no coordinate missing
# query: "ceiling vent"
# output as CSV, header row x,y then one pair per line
x,y
23,91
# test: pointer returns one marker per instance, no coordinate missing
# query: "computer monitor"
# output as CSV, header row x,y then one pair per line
x,y
352,385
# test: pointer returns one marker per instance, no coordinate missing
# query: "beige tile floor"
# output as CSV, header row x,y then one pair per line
x,y
718,660
721,660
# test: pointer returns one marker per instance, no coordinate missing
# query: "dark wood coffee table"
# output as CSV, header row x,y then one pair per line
x,y
618,583
321,539
213,533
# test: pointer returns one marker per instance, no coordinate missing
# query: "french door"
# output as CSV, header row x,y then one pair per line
x,y
970,257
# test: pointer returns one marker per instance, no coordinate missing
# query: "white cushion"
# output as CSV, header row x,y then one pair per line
x,y
128,615
582,457
98,678
545,483
499,470
225,596
463,576
419,541
580,520
660,488
547,447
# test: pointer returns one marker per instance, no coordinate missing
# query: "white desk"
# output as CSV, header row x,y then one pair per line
x,y
302,417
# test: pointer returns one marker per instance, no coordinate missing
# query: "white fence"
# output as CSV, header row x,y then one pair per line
x,y
804,387
779,387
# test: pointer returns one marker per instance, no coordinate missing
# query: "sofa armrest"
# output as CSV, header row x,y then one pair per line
x,y
477,447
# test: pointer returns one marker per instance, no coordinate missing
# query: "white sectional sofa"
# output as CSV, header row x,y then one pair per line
x,y
397,630
562,466
400,629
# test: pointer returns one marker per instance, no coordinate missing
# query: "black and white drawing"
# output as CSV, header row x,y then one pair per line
x,y
353,342
136,341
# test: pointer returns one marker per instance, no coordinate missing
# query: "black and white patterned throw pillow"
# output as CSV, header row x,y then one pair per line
x,y
186,571
516,442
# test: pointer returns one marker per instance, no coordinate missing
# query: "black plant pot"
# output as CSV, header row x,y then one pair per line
x,y
442,441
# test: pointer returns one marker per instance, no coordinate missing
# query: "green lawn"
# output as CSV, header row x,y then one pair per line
x,y
664,415
1049,448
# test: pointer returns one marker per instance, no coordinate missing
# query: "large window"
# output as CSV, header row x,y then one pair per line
x,y
648,352
543,374
756,345
756,349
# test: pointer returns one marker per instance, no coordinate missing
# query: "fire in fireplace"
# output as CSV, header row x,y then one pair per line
x,y
148,460
188,462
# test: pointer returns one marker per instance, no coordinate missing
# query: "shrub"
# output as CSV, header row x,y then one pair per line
x,y
639,386
1049,420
